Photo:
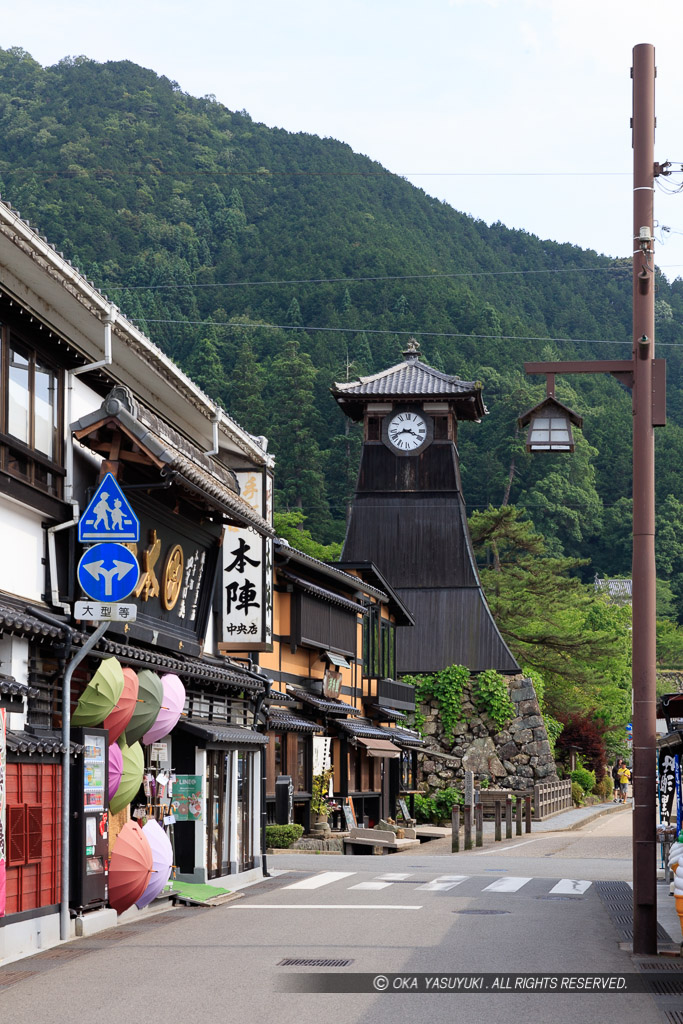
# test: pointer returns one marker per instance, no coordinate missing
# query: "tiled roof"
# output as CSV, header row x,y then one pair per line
x,y
9,686
322,592
411,378
387,714
327,705
215,732
197,469
45,743
17,620
290,723
366,729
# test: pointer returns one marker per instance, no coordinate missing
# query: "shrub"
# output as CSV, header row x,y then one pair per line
x,y
585,779
583,733
604,788
577,794
437,807
490,692
281,837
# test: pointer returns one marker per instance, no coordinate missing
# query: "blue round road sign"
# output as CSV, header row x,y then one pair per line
x,y
108,572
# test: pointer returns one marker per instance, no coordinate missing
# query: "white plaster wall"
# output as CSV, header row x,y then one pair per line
x,y
23,548
26,937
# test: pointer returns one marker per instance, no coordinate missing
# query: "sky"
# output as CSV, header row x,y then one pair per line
x,y
510,110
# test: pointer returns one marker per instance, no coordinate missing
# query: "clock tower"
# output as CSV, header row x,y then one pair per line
x,y
408,513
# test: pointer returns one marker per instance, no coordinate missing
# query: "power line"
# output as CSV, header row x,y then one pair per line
x,y
369,330
378,277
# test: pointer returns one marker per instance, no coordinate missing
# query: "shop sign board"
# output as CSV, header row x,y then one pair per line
x,y
247,576
187,803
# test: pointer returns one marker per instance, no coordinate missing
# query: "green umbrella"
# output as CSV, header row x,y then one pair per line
x,y
100,695
131,776
150,699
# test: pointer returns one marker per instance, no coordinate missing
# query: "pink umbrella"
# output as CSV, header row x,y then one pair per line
x,y
171,709
115,768
162,855
119,718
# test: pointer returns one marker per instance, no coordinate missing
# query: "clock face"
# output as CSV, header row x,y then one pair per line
x,y
407,431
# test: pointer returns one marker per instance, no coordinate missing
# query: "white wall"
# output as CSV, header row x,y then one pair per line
x,y
22,543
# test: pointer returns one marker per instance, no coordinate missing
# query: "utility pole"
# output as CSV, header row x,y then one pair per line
x,y
647,378
644,571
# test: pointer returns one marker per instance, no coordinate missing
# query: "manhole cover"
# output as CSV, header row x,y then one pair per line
x,y
481,912
315,962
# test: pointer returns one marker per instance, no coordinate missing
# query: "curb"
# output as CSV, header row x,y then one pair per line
x,y
589,817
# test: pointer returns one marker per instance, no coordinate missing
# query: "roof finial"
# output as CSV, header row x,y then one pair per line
x,y
413,349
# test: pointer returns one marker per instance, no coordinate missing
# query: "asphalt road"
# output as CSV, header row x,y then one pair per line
x,y
517,908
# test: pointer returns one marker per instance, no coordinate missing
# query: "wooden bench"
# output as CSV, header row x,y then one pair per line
x,y
489,797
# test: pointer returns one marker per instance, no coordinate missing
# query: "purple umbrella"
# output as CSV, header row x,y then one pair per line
x,y
162,855
115,768
171,708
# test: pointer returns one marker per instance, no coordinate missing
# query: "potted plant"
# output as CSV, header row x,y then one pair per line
x,y
321,801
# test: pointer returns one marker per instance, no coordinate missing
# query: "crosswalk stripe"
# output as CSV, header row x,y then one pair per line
x,y
442,884
371,885
506,885
574,886
317,881
390,876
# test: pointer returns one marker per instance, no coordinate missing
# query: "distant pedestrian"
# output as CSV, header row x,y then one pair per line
x,y
615,777
624,774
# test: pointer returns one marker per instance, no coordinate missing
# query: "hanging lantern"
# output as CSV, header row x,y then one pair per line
x,y
550,427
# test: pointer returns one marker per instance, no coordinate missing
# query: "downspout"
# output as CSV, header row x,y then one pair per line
x,y
214,423
69,459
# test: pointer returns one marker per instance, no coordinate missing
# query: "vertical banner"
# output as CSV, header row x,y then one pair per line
x,y
667,786
679,801
3,802
246,579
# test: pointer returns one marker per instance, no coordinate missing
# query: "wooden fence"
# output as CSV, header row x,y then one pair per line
x,y
551,797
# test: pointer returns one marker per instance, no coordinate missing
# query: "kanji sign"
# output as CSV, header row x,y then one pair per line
x,y
109,516
94,611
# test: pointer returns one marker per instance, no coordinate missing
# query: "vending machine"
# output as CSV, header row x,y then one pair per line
x,y
89,836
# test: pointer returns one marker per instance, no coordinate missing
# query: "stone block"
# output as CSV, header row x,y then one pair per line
x,y
523,736
528,707
534,721
507,750
525,771
523,693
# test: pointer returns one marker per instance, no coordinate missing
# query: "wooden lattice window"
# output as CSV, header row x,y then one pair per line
x,y
25,834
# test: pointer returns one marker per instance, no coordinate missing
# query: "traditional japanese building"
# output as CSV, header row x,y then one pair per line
x,y
408,514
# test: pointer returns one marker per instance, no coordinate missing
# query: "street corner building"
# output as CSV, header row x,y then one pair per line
x,y
129,498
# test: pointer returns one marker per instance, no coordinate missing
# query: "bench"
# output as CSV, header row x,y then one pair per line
x,y
371,841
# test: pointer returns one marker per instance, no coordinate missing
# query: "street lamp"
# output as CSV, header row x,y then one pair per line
x,y
550,426
646,376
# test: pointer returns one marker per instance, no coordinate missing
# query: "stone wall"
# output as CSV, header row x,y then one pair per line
x,y
512,758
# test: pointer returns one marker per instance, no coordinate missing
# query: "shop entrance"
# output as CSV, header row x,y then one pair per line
x,y
218,788
245,774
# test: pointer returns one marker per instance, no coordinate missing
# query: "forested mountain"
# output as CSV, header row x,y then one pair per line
x,y
270,264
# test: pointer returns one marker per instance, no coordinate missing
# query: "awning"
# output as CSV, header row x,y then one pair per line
x,y
322,592
337,659
380,748
387,714
216,735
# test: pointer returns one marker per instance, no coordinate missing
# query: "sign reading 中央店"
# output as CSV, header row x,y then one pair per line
x,y
246,580
109,516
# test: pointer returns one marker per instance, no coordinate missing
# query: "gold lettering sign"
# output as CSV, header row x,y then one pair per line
x,y
172,577
148,584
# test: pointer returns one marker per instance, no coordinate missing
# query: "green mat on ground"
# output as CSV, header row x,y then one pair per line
x,y
197,891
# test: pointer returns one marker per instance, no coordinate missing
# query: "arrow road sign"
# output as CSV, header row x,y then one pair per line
x,y
108,572
109,516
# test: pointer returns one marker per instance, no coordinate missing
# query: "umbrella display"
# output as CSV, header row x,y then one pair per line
x,y
115,769
130,867
162,856
149,701
170,711
131,777
119,718
100,695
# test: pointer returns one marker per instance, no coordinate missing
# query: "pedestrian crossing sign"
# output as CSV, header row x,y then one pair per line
x,y
109,516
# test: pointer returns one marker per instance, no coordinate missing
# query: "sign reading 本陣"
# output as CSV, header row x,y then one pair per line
x,y
246,579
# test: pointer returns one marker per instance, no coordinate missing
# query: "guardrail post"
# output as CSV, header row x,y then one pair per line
x,y
527,808
518,816
479,825
498,813
455,829
508,817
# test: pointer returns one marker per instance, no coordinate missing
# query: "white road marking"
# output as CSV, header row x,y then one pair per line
x,y
574,886
443,883
390,876
506,885
317,881
506,849
323,906
371,885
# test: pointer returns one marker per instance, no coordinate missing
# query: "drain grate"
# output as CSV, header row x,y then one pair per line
x,y
673,1016
312,962
114,934
12,977
666,986
481,912
664,965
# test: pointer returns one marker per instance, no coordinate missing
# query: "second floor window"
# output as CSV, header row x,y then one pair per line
x,y
379,645
30,421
